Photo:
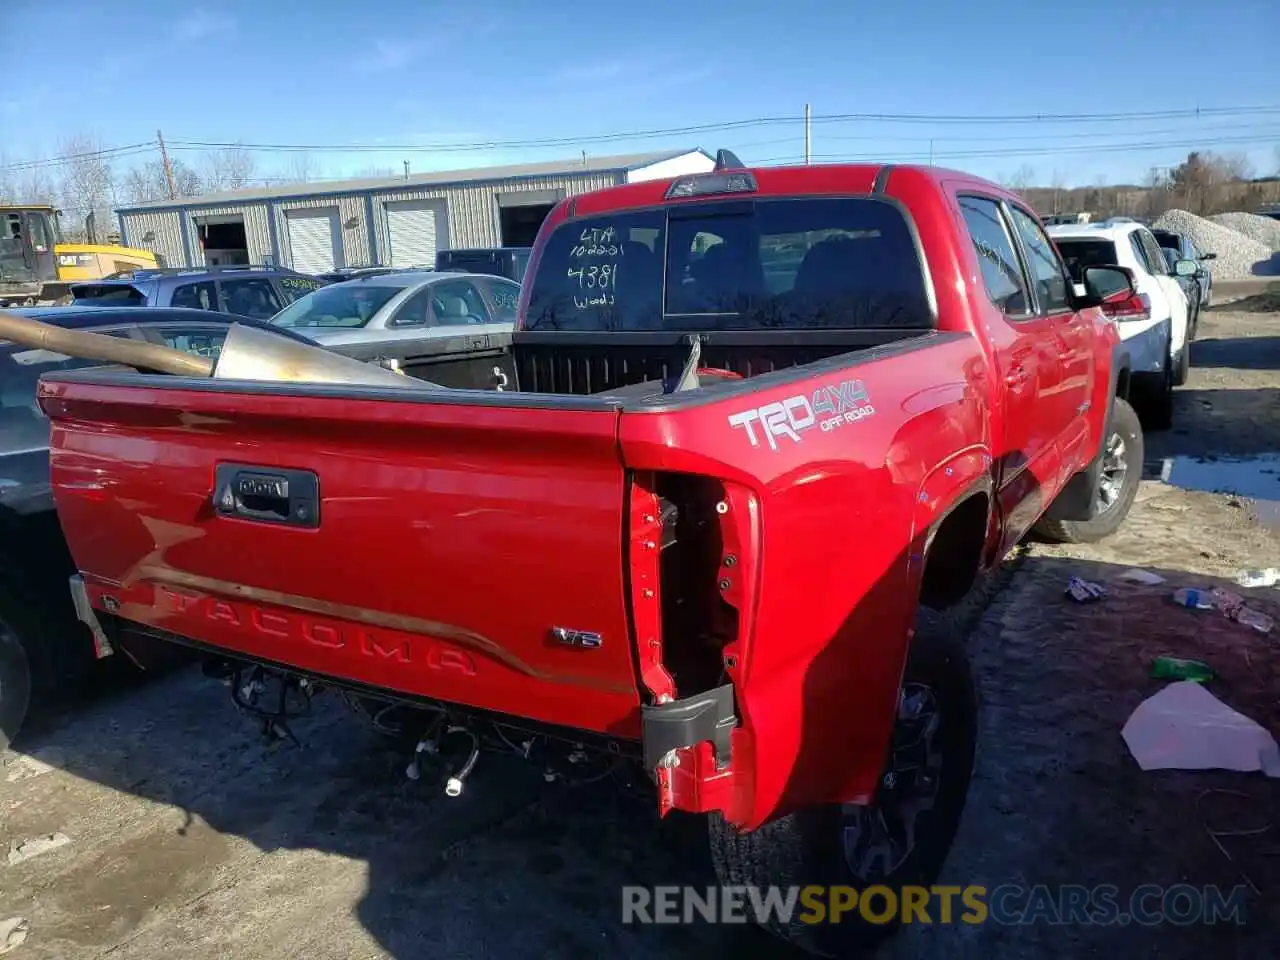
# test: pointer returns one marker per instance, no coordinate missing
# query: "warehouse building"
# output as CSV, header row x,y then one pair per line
x,y
397,222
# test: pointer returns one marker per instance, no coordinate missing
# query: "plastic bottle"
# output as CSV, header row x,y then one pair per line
x,y
1192,598
1175,668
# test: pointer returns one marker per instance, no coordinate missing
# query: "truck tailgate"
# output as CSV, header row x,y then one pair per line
x,y
444,544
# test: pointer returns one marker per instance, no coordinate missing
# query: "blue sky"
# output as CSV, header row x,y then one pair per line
x,y
405,73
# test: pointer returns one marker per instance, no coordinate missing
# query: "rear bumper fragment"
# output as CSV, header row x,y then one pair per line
x,y
689,722
85,614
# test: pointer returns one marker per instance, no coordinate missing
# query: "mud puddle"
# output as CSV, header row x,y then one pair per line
x,y
1255,478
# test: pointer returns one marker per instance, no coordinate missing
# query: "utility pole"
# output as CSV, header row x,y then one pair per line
x,y
406,169
168,168
931,153
808,135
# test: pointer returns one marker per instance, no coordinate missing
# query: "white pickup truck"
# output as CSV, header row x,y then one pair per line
x,y
1153,320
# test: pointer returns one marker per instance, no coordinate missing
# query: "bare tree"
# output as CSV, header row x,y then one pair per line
x,y
301,169
1057,183
146,183
1021,179
35,185
8,181
88,185
1234,167
229,169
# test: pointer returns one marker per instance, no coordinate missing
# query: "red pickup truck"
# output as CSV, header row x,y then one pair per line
x,y
765,426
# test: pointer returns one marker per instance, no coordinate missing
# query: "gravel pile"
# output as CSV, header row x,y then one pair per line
x,y
1238,255
1263,229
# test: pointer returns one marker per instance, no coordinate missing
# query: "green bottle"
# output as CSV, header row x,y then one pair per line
x,y
1175,668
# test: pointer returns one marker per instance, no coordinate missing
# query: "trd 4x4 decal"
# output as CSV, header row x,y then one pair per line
x,y
829,408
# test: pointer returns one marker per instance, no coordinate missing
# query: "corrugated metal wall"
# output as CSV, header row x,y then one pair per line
x,y
166,227
471,218
355,229
472,210
256,231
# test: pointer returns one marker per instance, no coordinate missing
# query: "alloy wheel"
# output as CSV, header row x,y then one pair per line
x,y
879,837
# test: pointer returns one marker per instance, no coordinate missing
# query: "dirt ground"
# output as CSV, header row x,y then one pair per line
x,y
187,836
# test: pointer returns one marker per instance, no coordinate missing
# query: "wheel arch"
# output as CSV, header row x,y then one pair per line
x,y
955,547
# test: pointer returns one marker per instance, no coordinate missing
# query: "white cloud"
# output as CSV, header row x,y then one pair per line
x,y
200,24
388,55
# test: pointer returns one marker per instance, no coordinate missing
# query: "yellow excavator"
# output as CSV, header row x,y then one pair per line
x,y
36,267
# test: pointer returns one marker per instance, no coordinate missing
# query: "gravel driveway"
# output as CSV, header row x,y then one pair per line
x,y
187,837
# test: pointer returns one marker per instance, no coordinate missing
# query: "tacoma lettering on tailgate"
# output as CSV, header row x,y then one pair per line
x,y
388,646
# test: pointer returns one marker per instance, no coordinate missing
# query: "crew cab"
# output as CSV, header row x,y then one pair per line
x,y
766,427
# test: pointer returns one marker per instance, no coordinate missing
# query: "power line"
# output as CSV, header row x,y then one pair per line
x,y
128,150
986,137
113,153
1032,151
1195,112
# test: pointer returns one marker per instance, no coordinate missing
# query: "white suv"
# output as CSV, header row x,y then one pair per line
x,y
1152,323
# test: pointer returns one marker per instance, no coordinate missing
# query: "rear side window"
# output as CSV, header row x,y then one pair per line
x,y
23,425
200,296
251,298
108,295
1001,273
839,263
201,338
1140,253
1043,263
1153,253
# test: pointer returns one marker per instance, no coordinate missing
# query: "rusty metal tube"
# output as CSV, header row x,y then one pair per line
x,y
97,346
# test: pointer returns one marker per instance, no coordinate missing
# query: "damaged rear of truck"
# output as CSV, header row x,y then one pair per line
x,y
760,435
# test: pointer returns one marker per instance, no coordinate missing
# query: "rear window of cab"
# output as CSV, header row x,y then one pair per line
x,y
756,264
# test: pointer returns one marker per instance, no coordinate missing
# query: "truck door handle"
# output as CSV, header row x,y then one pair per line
x,y
267,494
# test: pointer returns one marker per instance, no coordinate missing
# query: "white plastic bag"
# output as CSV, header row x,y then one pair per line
x,y
1185,727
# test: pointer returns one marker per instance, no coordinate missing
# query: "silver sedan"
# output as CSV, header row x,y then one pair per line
x,y
404,306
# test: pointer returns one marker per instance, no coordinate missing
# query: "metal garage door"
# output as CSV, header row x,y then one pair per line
x,y
412,228
313,239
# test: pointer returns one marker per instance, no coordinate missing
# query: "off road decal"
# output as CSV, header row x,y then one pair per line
x,y
829,408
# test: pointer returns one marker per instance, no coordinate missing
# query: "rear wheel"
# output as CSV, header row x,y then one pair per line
x,y
1158,409
903,837
1182,366
15,673
1121,470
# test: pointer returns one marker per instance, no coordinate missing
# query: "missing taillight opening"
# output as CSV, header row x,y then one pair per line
x,y
697,623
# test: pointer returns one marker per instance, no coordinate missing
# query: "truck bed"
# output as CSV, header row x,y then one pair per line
x,y
485,548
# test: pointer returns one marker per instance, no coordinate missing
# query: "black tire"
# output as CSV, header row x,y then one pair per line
x,y
1181,367
1124,424
15,671
1158,409
808,847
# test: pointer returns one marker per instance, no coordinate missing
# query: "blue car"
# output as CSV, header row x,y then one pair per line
x,y
256,292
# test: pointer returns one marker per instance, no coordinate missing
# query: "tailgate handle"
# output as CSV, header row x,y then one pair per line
x,y
267,494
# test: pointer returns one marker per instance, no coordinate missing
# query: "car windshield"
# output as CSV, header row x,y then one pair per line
x,y
348,305
1081,253
843,263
